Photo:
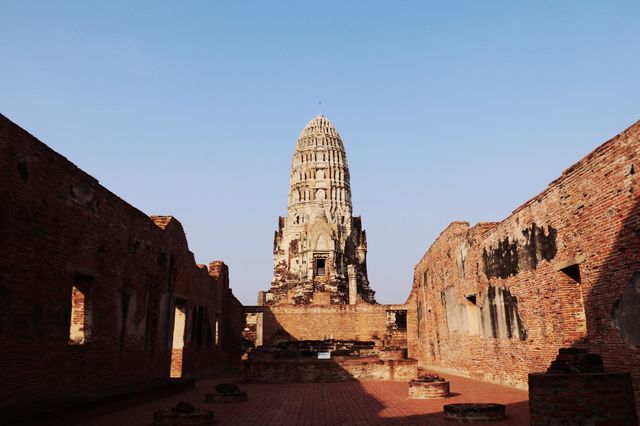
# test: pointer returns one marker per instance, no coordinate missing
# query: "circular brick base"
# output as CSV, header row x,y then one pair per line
x,y
474,413
428,387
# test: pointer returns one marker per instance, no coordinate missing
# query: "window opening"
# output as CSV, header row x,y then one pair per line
x,y
572,272
81,312
397,320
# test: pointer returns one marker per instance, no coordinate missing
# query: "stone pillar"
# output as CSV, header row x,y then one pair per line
x,y
259,329
353,286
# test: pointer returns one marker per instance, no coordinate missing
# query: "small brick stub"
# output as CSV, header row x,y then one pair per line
x,y
428,386
586,398
474,413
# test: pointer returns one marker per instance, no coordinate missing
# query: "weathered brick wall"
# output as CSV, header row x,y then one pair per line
x,y
60,229
336,369
498,300
312,322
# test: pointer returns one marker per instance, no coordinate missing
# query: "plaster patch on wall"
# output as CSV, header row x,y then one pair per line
x,y
497,317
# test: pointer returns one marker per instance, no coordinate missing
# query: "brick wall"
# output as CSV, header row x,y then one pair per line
x,y
498,300
317,322
60,230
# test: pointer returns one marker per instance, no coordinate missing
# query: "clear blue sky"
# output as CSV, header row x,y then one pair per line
x,y
449,110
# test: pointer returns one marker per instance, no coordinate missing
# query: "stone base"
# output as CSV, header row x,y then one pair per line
x,y
474,413
169,418
337,369
428,387
378,369
226,398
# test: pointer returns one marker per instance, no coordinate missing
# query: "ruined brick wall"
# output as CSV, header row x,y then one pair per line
x,y
60,230
341,322
337,369
498,300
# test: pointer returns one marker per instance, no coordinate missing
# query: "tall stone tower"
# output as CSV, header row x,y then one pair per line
x,y
319,249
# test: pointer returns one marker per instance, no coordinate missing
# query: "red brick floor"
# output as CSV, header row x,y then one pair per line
x,y
344,403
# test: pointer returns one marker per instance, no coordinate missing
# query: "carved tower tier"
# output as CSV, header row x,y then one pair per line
x,y
319,249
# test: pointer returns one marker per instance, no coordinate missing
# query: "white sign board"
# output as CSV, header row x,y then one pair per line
x,y
324,355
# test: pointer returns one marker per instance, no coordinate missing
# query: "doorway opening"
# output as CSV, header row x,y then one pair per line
x,y
177,345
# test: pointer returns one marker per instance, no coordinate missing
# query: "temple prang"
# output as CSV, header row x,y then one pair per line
x,y
320,248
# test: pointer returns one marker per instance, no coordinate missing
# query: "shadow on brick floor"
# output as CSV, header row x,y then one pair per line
x,y
339,403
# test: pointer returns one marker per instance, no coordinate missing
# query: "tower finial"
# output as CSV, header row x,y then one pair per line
x,y
319,107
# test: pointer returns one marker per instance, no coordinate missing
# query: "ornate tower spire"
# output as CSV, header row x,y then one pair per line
x,y
319,171
319,248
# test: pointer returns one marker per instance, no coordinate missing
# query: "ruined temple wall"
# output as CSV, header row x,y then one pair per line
x,y
60,228
497,300
343,322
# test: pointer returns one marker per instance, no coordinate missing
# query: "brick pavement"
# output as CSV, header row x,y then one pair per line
x,y
343,403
